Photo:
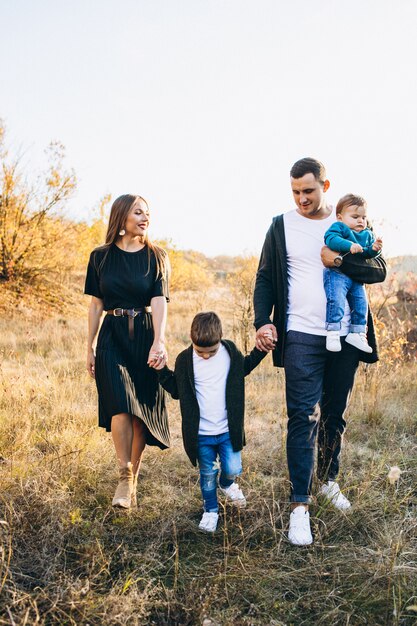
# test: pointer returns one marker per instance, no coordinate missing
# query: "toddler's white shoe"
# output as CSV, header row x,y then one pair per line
x,y
299,533
208,522
333,341
331,491
234,494
359,341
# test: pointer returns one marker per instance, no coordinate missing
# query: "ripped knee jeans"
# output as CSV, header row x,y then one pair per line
x,y
215,453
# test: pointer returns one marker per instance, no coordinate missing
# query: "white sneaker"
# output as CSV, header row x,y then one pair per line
x,y
359,341
331,491
333,341
208,522
234,494
299,533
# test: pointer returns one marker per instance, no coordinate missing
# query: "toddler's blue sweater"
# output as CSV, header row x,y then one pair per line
x,y
340,237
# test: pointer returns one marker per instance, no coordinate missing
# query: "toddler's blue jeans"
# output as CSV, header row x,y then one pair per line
x,y
209,448
339,288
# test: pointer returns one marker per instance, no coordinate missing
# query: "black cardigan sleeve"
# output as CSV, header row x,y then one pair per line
x,y
263,297
252,360
168,381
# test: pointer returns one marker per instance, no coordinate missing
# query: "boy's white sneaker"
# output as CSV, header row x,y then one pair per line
x,y
331,491
299,533
233,494
333,341
359,341
208,522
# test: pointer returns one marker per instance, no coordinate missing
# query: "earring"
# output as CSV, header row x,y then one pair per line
x,y
122,232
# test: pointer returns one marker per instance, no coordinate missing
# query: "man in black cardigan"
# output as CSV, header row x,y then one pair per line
x,y
289,284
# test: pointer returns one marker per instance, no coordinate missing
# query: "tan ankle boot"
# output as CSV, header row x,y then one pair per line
x,y
124,490
134,499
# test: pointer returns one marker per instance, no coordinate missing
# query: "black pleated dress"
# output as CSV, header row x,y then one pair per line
x,y
125,383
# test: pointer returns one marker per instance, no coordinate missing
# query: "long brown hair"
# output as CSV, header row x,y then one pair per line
x,y
118,214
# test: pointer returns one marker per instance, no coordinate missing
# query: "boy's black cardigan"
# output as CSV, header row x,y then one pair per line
x,y
180,384
271,287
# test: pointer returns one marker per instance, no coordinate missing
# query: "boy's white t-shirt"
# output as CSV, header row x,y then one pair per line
x,y
210,377
306,296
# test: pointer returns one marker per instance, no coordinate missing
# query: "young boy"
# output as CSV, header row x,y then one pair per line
x,y
348,234
208,380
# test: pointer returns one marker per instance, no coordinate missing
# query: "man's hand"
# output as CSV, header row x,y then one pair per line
x,y
377,245
328,256
266,338
355,248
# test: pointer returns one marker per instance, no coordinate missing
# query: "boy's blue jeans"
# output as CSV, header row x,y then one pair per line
x,y
339,288
209,447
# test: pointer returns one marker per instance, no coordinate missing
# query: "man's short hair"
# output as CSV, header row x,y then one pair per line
x,y
349,199
206,329
309,165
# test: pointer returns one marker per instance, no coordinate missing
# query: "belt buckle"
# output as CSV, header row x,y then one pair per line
x,y
116,312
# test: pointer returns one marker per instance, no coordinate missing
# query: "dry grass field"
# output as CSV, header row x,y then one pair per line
x,y
68,558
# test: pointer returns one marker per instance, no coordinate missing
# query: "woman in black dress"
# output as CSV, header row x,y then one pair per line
x,y
127,278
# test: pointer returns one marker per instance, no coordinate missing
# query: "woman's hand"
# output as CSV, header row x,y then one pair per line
x,y
91,363
158,356
94,314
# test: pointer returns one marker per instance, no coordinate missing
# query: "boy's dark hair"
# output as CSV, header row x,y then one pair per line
x,y
309,165
206,329
349,199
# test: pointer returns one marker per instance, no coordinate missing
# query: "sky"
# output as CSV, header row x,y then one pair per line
x,y
202,106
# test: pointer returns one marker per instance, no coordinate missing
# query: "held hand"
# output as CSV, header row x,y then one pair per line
x,y
355,248
91,364
161,365
158,356
266,338
377,245
328,256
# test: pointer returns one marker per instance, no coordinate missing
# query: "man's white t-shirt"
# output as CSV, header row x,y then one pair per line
x,y
210,377
306,296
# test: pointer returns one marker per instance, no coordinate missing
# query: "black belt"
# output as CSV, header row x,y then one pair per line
x,y
131,314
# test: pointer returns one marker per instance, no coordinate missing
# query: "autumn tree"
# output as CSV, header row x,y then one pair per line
x,y
92,235
189,269
30,224
242,284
